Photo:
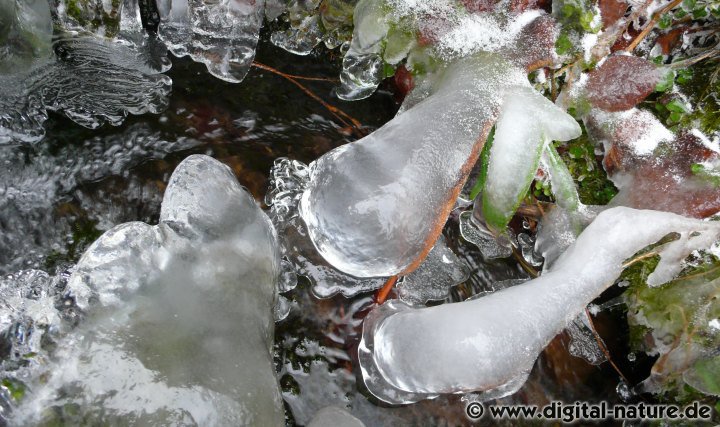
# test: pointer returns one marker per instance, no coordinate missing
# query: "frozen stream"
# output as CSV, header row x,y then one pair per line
x,y
58,196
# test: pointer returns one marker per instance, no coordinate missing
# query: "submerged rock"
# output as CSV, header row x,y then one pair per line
x,y
490,344
179,321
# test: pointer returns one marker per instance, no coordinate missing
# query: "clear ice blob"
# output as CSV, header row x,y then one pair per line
x,y
179,325
376,206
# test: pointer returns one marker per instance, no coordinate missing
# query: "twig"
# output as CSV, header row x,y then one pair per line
x,y
338,113
385,290
651,24
603,348
695,59
639,258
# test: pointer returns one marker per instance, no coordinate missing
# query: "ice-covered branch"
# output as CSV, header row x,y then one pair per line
x,y
490,344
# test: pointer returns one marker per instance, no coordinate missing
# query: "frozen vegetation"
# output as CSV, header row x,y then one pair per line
x,y
411,354
574,148
356,204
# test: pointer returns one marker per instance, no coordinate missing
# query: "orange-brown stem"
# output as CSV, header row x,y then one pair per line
x,y
385,290
651,24
346,119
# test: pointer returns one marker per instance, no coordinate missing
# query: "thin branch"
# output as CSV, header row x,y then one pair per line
x,y
603,347
385,290
651,24
346,119
695,59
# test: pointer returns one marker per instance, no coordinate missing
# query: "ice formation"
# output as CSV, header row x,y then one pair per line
x,y
312,22
428,33
432,281
491,343
90,79
527,123
38,180
220,34
179,321
375,207
25,33
334,416
288,178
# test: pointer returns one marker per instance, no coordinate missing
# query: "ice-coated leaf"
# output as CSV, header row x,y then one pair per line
x,y
490,343
678,322
220,34
563,186
653,168
516,150
704,376
180,315
376,206
621,82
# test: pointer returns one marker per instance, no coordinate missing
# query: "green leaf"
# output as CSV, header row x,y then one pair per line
x,y
15,388
704,376
563,44
677,106
666,83
665,21
484,160
563,186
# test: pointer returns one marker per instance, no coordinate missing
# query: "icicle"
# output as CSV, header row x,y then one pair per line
x,y
220,34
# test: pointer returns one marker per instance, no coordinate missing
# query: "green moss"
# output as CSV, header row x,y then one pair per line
x,y
15,388
593,185
84,232
702,86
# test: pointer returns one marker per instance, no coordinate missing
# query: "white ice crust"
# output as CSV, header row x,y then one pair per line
x,y
491,343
